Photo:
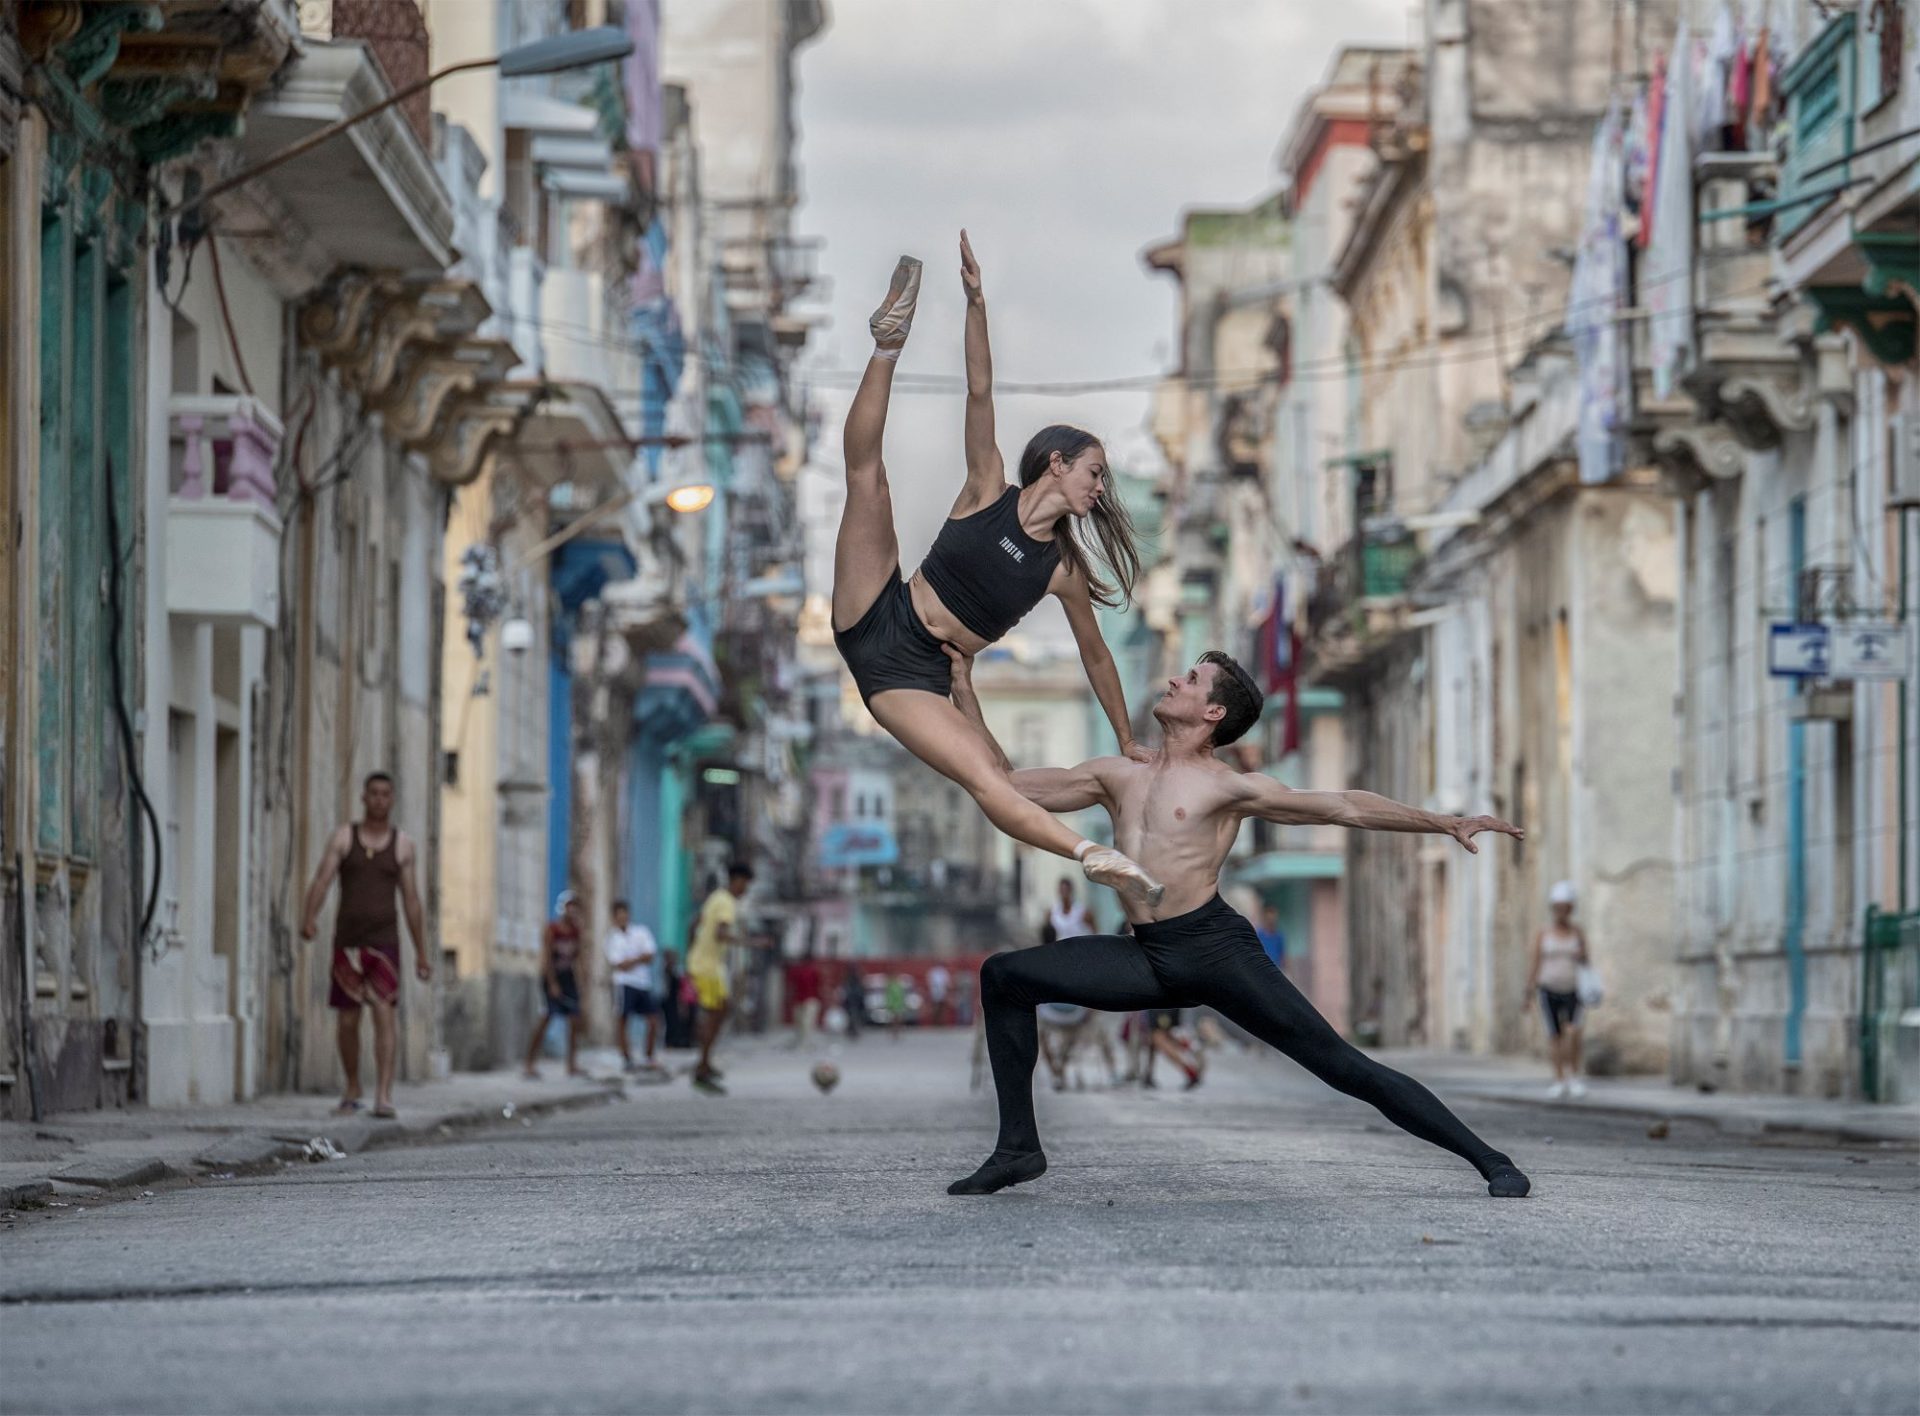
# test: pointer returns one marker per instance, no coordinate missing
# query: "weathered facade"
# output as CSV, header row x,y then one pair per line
x,y
96,98
1487,619
1796,464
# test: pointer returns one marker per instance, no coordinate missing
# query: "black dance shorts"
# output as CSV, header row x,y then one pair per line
x,y
890,647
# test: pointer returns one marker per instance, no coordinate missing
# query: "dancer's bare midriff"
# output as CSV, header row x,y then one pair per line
x,y
941,622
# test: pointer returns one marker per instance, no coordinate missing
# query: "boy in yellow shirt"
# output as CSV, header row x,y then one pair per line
x,y
718,927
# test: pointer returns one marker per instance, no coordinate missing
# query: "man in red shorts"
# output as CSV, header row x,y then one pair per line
x,y
374,860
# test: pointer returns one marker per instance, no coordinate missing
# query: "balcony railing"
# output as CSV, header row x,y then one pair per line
x,y
223,534
1372,566
1820,88
224,445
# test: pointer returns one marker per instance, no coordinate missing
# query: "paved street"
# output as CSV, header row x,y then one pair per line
x,y
1258,1245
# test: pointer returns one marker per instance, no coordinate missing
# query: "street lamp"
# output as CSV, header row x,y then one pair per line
x,y
575,49
684,495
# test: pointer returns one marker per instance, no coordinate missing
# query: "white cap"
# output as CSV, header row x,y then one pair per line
x,y
1561,894
567,897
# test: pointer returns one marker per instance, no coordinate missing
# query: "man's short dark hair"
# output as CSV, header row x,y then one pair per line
x,y
739,870
1234,690
620,905
373,777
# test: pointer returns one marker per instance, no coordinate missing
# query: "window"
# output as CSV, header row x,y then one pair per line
x,y
87,388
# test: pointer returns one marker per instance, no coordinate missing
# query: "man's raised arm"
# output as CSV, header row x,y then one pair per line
x,y
1054,788
1259,795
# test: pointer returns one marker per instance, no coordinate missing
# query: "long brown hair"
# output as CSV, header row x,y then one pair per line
x,y
1116,546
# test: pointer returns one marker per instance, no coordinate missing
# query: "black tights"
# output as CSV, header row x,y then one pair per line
x,y
1209,958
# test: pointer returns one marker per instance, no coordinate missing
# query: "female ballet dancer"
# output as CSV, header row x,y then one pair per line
x,y
1002,548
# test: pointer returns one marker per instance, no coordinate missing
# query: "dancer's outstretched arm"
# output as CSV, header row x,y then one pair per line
x,y
986,472
1055,788
1256,794
1077,601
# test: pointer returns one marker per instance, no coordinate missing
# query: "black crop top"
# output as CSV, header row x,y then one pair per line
x,y
987,569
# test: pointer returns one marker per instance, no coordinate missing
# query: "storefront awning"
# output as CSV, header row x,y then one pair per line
x,y
1276,867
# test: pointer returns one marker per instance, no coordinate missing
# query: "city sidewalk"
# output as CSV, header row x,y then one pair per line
x,y
1524,1081
98,1153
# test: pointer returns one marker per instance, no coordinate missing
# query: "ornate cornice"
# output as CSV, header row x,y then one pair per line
x,y
1693,454
137,84
406,348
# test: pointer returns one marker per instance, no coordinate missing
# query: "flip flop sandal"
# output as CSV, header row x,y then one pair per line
x,y
385,1113
348,1108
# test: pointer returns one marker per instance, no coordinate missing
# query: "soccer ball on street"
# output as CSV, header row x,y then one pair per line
x,y
826,1076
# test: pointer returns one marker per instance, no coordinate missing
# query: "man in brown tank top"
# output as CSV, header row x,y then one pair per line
x,y
374,862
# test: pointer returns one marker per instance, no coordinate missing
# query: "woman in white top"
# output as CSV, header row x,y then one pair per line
x,y
1559,950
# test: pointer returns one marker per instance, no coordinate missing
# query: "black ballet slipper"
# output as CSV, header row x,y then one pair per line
x,y
1000,1171
1506,1181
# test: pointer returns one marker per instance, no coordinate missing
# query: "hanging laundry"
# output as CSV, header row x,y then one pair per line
x,y
1739,98
1595,299
1666,276
1635,173
1656,121
1711,73
1760,97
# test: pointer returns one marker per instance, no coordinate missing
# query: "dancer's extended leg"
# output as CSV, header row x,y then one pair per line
x,y
937,733
1246,988
1106,971
867,551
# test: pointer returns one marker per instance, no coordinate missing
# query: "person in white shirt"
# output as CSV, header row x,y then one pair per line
x,y
1068,916
938,982
1067,1025
631,951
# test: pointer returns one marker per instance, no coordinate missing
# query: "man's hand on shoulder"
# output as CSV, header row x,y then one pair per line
x,y
1464,828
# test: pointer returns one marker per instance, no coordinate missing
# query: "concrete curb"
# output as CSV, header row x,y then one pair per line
x,y
1834,1133
115,1174
26,1196
260,1151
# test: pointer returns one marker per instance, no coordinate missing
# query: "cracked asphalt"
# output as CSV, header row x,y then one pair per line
x,y
1259,1245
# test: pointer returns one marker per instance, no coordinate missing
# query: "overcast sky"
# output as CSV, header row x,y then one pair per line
x,y
1066,136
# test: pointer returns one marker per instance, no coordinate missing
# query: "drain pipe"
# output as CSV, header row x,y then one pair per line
x,y
1793,940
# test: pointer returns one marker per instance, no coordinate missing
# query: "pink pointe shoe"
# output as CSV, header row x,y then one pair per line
x,y
890,323
1103,865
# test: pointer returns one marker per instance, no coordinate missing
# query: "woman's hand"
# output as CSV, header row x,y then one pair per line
x,y
970,272
1136,751
962,668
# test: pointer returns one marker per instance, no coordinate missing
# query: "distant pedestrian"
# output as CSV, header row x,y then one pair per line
x,y
1068,917
676,1019
939,981
561,943
716,929
803,991
1272,939
1559,950
631,954
896,993
1166,1038
375,861
853,998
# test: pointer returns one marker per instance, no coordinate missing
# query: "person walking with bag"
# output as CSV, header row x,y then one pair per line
x,y
1563,978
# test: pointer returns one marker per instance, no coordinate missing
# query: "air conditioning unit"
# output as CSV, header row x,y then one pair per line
x,y
1906,460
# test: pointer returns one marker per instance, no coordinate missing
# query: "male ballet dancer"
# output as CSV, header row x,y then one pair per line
x,y
1177,815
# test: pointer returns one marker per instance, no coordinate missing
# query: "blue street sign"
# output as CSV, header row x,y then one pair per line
x,y
1797,650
